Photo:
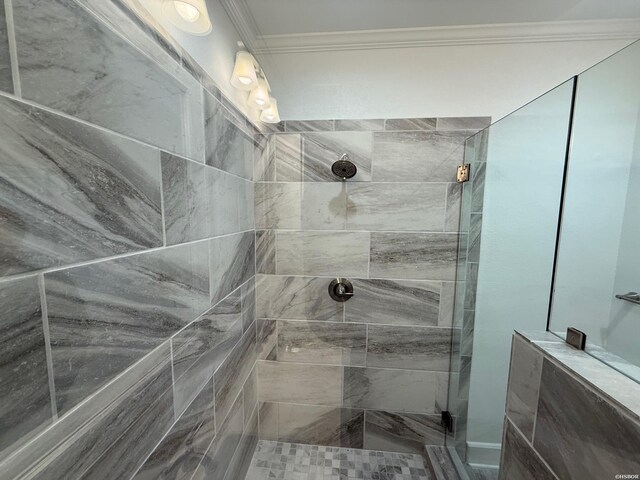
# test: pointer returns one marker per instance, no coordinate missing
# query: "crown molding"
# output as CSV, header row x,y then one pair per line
x,y
244,23
538,32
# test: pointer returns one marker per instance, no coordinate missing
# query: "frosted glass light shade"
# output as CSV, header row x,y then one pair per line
x,y
259,96
244,72
270,115
188,15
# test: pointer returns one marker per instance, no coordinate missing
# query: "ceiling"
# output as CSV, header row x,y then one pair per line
x,y
285,17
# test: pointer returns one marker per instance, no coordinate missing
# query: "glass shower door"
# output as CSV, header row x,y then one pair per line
x,y
509,223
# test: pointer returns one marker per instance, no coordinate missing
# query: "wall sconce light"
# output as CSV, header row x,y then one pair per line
x,y
248,76
244,73
259,96
271,115
188,15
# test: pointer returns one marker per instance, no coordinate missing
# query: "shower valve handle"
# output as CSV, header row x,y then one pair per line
x,y
340,289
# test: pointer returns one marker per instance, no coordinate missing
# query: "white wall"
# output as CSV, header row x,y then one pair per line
x,y
482,80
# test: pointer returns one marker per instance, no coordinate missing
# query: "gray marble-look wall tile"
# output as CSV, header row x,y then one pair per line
x,y
217,460
6,82
309,125
396,206
477,192
244,452
200,348
417,156
185,199
227,145
105,316
410,124
463,123
592,439
471,285
288,157
296,298
234,371
414,348
312,424
179,453
475,234
267,346
447,304
268,128
297,383
401,432
524,382
426,256
110,435
394,302
321,150
25,401
71,192
248,304
230,203
296,206
468,327
464,376
142,30
72,62
520,461
359,125
454,199
250,394
232,263
383,389
234,114
333,253
264,158
268,421
322,342
266,251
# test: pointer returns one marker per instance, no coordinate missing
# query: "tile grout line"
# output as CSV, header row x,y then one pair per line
x,y
530,445
44,271
335,365
173,380
13,48
47,345
162,209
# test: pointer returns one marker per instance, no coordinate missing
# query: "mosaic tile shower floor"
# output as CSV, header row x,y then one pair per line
x,y
292,461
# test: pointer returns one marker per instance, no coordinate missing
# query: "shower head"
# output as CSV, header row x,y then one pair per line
x,y
344,168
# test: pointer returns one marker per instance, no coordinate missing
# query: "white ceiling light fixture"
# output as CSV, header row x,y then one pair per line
x,y
271,115
188,15
244,72
259,96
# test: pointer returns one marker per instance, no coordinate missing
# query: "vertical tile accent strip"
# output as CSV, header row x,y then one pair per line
x,y
9,76
47,346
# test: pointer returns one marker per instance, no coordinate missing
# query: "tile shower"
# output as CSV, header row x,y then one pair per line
x,y
165,262
128,289
372,372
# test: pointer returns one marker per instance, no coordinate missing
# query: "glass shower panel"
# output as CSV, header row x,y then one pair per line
x,y
509,222
598,256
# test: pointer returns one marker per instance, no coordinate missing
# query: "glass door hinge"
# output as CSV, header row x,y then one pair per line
x,y
463,173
